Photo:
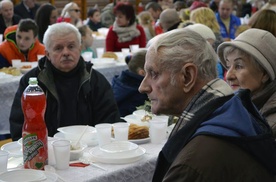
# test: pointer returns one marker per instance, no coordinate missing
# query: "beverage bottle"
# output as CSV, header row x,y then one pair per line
x,y
34,130
140,7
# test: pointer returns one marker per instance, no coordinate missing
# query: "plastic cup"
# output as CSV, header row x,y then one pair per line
x,y
103,133
16,63
39,56
100,52
51,154
1,38
121,131
158,131
125,51
4,155
87,56
134,47
62,153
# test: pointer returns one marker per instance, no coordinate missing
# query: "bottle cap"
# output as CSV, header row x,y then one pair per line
x,y
33,80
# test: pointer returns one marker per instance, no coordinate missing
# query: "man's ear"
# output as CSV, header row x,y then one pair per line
x,y
189,75
47,55
141,72
265,78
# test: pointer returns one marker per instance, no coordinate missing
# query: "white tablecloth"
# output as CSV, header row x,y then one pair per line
x,y
139,171
9,87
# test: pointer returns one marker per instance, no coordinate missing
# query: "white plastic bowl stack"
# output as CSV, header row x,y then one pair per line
x,y
73,133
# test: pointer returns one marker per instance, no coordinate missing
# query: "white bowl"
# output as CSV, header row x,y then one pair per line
x,y
75,154
73,133
119,147
24,71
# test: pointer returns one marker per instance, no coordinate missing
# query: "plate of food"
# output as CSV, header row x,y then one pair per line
x,y
138,134
25,68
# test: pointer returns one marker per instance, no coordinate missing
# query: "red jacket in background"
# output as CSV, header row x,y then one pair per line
x,y
112,44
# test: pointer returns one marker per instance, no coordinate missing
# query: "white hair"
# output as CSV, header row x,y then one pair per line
x,y
182,46
60,30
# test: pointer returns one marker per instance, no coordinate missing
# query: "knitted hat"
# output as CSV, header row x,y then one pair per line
x,y
260,44
197,4
203,30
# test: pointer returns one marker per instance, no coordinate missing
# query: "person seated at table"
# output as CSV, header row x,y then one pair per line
x,y
169,20
264,19
46,15
94,19
86,39
76,93
125,31
155,10
146,21
251,65
218,132
107,14
26,9
7,16
21,42
71,14
125,86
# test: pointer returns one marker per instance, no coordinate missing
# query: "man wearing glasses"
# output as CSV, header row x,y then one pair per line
x,y
71,14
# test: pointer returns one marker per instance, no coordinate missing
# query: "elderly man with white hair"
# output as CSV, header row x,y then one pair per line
x,y
220,136
7,16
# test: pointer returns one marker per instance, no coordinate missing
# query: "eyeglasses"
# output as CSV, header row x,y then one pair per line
x,y
76,10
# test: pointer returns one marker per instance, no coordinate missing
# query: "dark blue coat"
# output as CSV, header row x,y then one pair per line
x,y
125,89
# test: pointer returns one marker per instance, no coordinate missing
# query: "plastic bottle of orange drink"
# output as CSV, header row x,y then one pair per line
x,y
34,131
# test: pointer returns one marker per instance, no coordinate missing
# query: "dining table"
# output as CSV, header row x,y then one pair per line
x,y
140,170
9,86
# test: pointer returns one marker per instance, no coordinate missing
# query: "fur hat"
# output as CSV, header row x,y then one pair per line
x,y
260,44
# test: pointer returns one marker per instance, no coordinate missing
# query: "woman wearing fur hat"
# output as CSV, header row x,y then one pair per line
x,y
250,61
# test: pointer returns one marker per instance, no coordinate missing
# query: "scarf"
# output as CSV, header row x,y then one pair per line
x,y
213,95
126,34
261,98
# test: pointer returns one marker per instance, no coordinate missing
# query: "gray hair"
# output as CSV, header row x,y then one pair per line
x,y
230,49
5,1
59,30
180,46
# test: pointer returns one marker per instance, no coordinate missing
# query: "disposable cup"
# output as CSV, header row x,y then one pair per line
x,y
158,131
16,63
3,160
121,131
134,47
87,56
62,153
103,133
39,56
100,52
1,38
